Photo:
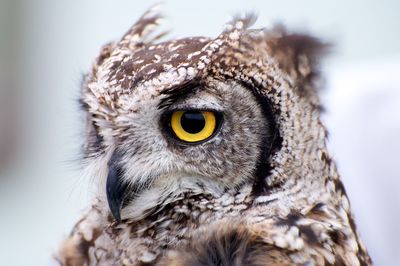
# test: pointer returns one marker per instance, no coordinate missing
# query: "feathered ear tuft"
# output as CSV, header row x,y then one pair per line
x,y
143,30
299,55
241,22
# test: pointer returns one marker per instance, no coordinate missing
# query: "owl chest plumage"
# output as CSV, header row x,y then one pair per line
x,y
196,219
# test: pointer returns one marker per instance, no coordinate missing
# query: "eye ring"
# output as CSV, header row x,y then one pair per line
x,y
193,126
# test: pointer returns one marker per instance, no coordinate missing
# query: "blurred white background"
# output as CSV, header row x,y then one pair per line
x,y
46,45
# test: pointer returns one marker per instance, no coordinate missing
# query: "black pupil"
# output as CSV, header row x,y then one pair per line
x,y
193,122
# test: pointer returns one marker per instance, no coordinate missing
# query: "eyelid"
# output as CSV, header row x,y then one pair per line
x,y
191,107
194,109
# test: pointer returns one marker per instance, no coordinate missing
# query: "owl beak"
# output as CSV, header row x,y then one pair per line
x,y
116,191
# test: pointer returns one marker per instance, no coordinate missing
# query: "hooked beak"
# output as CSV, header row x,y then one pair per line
x,y
116,189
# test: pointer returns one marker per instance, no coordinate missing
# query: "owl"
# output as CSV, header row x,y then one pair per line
x,y
210,152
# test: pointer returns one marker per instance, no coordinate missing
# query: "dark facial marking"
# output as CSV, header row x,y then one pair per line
x,y
178,92
271,143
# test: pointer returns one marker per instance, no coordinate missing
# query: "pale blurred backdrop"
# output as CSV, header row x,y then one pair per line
x,y
46,45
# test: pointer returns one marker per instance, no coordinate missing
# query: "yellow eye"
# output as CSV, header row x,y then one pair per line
x,y
193,126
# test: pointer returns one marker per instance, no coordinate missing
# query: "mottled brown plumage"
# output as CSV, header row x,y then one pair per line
x,y
262,191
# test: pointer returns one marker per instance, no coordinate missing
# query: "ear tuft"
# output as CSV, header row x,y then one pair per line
x,y
299,55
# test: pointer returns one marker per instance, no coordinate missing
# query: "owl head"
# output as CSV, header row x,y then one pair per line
x,y
203,116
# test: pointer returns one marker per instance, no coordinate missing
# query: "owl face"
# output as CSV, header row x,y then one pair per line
x,y
200,116
205,137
